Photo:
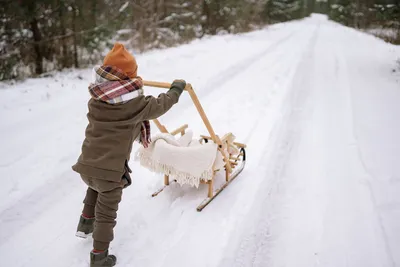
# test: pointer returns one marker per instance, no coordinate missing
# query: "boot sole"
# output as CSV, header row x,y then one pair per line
x,y
82,235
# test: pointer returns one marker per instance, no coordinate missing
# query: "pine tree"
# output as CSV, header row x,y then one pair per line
x,y
342,11
368,13
284,10
387,15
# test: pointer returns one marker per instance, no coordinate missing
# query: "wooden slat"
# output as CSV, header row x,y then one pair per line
x,y
236,157
217,192
240,145
226,137
160,126
162,84
207,123
162,189
180,129
203,115
211,188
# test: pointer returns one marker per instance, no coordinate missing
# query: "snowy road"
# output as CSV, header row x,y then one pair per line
x,y
317,105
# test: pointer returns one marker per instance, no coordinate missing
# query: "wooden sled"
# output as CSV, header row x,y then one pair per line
x,y
234,164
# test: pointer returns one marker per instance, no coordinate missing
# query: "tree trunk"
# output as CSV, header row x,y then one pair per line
x,y
312,6
37,38
76,62
164,8
305,8
206,13
328,11
141,31
356,21
64,60
94,13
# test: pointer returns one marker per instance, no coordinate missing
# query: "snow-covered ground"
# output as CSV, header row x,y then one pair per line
x,y
316,103
388,33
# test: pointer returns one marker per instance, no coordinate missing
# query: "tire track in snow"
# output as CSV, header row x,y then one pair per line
x,y
345,73
226,75
277,58
291,72
222,77
333,239
177,237
17,216
253,249
235,205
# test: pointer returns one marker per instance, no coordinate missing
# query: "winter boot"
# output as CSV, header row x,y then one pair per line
x,y
85,227
102,259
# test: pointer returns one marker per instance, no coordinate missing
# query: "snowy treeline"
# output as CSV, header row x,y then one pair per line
x,y
380,17
45,35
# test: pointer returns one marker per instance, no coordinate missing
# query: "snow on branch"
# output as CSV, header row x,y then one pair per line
x,y
123,7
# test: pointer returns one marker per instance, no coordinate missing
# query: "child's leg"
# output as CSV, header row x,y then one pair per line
x,y
106,214
89,203
86,220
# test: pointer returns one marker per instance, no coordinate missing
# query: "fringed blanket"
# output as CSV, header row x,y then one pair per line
x,y
186,161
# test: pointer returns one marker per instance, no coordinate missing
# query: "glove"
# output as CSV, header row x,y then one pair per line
x,y
178,86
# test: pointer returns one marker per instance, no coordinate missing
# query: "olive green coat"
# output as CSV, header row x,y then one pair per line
x,y
111,131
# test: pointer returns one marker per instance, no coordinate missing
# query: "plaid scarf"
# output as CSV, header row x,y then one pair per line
x,y
113,86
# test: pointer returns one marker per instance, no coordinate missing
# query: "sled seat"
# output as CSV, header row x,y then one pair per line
x,y
230,156
185,159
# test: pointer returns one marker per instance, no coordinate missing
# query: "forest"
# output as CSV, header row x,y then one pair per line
x,y
41,36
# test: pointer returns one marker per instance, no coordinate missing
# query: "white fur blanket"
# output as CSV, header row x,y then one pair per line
x,y
185,160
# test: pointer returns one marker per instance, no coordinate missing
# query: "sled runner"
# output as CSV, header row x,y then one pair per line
x,y
233,154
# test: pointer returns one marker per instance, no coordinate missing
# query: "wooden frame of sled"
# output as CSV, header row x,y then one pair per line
x,y
234,164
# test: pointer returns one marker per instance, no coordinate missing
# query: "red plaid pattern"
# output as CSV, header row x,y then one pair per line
x,y
113,83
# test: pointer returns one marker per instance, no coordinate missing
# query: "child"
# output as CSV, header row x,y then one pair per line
x,y
118,115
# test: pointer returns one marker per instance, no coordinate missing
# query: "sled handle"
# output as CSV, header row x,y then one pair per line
x,y
163,85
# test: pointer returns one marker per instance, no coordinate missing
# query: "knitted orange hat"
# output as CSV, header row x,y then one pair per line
x,y
119,57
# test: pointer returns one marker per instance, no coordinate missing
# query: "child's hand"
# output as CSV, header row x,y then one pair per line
x,y
178,86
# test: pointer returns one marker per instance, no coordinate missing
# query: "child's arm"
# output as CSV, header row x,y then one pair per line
x,y
155,107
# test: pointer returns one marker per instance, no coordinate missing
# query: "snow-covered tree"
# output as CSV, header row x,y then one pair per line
x,y
45,35
364,14
284,10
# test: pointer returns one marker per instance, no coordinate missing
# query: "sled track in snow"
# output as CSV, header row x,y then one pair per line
x,y
233,71
341,61
17,216
254,249
225,75
285,69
